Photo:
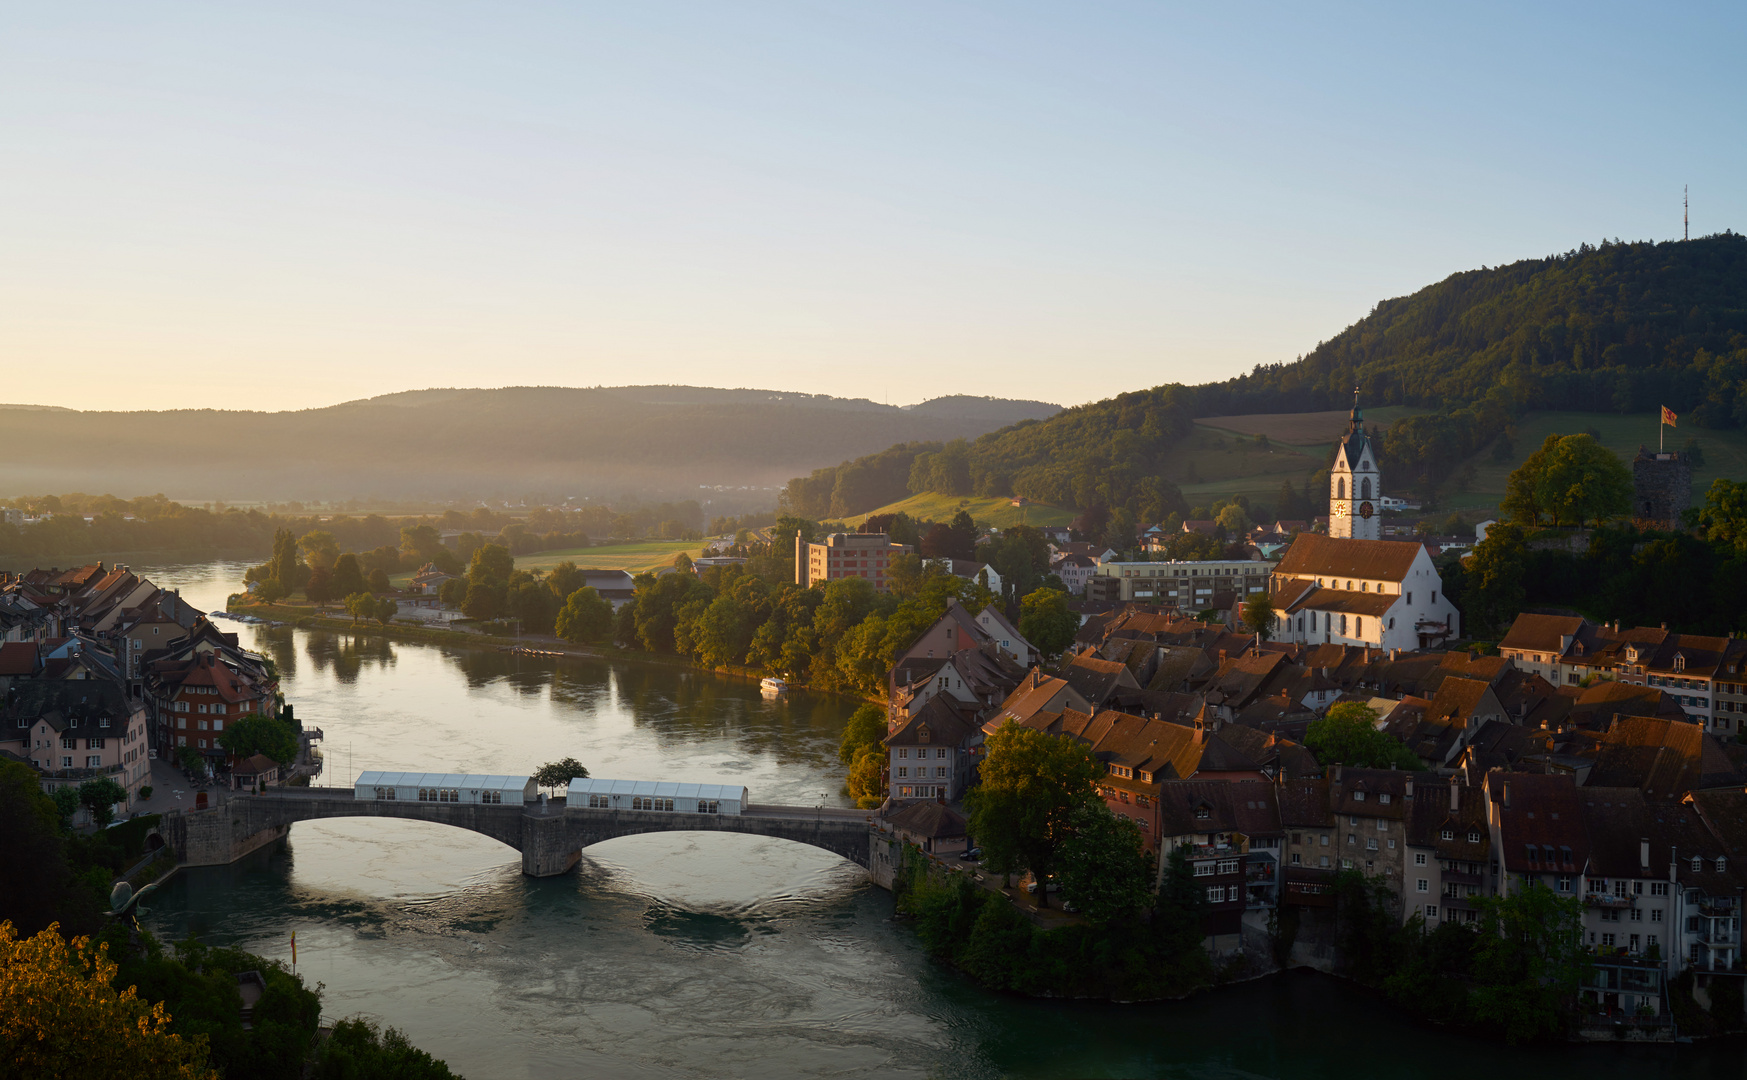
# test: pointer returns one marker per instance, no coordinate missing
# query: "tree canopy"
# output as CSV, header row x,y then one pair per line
x,y
258,733
1104,868
1347,735
1046,622
1032,785
60,1015
557,774
1569,480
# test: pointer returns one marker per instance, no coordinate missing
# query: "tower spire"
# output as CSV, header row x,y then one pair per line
x,y
1356,417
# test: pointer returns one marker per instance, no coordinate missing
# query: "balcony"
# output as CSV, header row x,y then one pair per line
x,y
1717,905
1717,932
1452,877
83,774
1608,900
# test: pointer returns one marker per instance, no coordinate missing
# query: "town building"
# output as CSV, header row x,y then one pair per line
x,y
847,555
1188,585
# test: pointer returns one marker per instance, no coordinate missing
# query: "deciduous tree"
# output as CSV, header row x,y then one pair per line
x,y
1032,783
1347,735
586,618
1104,868
60,1016
1046,622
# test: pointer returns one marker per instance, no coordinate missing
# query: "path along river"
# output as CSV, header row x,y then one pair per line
x,y
693,955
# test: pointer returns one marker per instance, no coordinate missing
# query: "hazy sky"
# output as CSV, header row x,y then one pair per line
x,y
284,205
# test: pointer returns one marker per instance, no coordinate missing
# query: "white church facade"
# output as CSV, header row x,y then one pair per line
x,y
1352,587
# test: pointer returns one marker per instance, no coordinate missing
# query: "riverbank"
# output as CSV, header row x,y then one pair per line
x,y
19,564
305,618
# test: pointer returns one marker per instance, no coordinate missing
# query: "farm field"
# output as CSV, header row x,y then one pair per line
x,y
1725,451
996,512
643,555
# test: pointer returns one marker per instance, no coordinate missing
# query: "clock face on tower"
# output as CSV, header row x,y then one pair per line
x,y
1365,510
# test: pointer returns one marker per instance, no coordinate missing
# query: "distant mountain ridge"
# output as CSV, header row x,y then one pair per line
x,y
666,440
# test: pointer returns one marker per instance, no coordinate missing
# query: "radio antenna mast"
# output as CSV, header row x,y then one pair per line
x,y
1685,212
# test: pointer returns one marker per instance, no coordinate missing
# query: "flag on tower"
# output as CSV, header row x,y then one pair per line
x,y
294,946
1668,416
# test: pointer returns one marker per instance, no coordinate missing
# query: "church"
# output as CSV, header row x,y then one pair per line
x,y
1352,587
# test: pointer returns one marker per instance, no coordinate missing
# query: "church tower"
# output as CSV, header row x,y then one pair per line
x,y
1355,489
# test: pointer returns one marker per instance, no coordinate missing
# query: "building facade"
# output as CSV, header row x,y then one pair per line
x,y
847,555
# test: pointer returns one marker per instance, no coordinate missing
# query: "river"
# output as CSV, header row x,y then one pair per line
x,y
702,955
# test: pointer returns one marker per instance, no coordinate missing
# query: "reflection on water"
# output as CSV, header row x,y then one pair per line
x,y
703,954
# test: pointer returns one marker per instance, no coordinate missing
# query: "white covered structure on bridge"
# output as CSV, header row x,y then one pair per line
x,y
446,788
668,795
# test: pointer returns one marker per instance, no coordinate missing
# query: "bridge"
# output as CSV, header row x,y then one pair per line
x,y
549,834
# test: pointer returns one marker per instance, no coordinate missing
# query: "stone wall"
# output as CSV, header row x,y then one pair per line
x,y
1661,487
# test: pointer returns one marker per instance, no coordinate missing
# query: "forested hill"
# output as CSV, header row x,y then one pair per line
x,y
1622,327
655,441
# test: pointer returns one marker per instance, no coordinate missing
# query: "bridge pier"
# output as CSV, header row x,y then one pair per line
x,y
548,849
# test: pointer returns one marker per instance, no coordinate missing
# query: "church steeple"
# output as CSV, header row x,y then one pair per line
x,y
1355,488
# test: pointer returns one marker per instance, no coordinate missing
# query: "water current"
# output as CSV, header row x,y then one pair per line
x,y
702,955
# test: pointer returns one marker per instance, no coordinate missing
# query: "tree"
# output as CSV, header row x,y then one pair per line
x,y
484,600
386,610
378,581
492,562
1177,926
453,592
1104,867
258,733
1530,961
320,586
420,544
1233,520
1584,481
1494,578
1032,785
866,782
100,796
31,836
1347,735
319,549
866,727
284,567
60,1015
358,1048
1046,622
1259,614
360,606
270,591
564,579
348,576
66,802
682,563
557,774
586,618
1723,518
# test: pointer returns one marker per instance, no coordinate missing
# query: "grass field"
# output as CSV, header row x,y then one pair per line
x,y
643,555
998,513
1725,451
1307,428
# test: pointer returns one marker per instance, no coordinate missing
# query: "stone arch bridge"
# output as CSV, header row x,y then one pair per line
x,y
550,835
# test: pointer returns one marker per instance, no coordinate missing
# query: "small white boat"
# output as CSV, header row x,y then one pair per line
x,y
772,687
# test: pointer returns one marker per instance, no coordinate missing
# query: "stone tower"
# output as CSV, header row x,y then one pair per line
x,y
1355,490
1661,487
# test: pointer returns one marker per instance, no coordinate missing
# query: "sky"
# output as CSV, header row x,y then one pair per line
x,y
283,206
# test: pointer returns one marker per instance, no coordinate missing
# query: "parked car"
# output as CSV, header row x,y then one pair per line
x,y
973,855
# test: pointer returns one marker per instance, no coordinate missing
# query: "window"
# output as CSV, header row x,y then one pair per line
x,y
1564,884
1431,911
1358,796
94,761
597,802
1448,834
386,793
1607,941
1419,858
1352,841
1296,858
940,774
1655,916
1371,844
1383,798
1422,885
903,751
491,797
940,752
1637,914
1659,888
66,763
1323,861
1203,869
709,806
1215,894
1325,839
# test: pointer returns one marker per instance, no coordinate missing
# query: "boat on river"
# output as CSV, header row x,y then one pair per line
x,y
772,687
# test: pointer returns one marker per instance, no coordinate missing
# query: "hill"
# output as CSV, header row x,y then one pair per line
x,y
999,513
1452,371
655,441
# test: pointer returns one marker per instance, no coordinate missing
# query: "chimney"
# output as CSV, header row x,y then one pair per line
x,y
1337,772
1507,794
1644,855
1410,787
1455,796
